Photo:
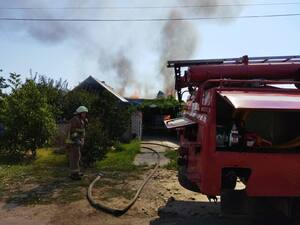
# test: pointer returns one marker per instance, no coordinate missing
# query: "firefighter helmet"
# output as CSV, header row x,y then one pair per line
x,y
81,109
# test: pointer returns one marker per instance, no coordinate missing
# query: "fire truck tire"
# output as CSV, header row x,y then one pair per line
x,y
229,179
185,182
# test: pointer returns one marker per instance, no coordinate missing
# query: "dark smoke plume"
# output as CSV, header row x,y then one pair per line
x,y
214,7
179,39
125,72
46,32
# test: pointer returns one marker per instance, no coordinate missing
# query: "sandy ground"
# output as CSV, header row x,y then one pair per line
x,y
146,157
163,201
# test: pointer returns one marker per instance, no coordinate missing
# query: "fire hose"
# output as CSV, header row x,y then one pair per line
x,y
119,212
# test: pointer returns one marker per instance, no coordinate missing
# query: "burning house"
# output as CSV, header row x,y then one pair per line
x,y
135,127
155,111
147,115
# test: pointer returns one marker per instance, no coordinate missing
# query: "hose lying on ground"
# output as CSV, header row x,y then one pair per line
x,y
158,144
120,212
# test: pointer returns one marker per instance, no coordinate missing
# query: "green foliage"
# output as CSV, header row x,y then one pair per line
x,y
121,159
161,105
54,91
108,120
14,81
31,109
28,121
76,98
172,155
113,116
96,144
3,85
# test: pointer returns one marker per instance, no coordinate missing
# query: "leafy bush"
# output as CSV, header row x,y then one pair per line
x,y
3,85
31,109
113,115
54,91
161,105
96,144
74,99
27,119
172,155
108,121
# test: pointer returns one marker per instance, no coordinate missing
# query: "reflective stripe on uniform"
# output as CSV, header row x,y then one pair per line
x,y
69,141
80,129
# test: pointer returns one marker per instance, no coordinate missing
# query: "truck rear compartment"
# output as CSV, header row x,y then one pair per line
x,y
256,129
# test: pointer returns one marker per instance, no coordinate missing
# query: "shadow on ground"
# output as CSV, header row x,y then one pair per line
x,y
61,190
208,213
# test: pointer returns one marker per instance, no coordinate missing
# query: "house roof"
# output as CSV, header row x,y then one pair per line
x,y
95,83
135,101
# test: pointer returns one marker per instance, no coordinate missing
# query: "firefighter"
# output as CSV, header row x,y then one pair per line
x,y
75,141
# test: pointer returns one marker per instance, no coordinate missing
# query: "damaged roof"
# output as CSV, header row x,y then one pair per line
x,y
95,84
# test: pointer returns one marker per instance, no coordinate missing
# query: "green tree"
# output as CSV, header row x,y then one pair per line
x,y
76,98
28,120
3,85
54,91
113,114
14,81
97,142
108,120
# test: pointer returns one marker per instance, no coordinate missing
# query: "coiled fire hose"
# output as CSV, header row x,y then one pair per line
x,y
120,212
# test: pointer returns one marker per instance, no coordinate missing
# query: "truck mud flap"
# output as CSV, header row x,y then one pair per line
x,y
185,182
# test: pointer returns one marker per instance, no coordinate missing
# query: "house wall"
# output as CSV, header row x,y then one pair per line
x,y
137,124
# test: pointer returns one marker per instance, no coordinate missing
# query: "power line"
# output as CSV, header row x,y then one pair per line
x,y
150,7
146,19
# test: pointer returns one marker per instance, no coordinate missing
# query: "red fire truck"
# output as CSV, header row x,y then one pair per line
x,y
241,123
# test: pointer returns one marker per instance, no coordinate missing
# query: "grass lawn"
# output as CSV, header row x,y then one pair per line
x,y
121,158
172,165
46,180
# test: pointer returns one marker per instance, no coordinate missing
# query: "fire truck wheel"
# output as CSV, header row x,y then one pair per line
x,y
229,179
185,182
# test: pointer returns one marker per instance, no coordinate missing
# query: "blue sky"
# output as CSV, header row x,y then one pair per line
x,y
88,48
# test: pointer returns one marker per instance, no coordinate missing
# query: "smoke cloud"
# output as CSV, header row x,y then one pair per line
x,y
214,7
46,32
115,55
125,73
180,39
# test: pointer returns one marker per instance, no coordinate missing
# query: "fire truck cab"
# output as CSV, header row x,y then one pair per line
x,y
241,123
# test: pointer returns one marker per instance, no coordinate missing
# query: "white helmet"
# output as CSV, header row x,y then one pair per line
x,y
81,109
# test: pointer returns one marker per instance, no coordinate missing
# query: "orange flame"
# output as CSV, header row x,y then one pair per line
x,y
136,94
170,92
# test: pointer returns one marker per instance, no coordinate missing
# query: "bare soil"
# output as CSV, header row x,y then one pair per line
x,y
163,201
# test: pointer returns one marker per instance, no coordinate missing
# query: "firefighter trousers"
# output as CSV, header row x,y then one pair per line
x,y
74,155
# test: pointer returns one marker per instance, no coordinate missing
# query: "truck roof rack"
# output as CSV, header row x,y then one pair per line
x,y
178,64
245,59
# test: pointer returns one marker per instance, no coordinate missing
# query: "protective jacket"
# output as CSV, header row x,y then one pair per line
x,y
77,131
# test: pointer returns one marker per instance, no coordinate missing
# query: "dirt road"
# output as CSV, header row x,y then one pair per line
x,y
163,201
